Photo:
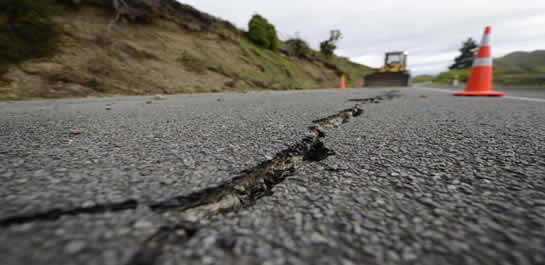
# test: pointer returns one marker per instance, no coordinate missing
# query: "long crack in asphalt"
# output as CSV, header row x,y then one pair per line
x,y
153,246
237,193
250,186
55,214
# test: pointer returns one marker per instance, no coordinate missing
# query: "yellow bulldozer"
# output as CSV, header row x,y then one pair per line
x,y
394,73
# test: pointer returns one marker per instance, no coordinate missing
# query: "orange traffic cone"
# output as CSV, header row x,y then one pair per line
x,y
480,79
361,84
343,83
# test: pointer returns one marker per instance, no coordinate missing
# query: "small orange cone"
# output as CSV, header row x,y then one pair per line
x,y
480,79
343,82
361,84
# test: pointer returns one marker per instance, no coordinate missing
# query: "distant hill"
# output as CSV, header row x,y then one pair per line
x,y
520,69
522,62
514,69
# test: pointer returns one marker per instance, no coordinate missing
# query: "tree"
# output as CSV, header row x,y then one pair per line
x,y
465,59
335,35
262,33
328,46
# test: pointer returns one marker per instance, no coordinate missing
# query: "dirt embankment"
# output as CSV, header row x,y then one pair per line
x,y
161,47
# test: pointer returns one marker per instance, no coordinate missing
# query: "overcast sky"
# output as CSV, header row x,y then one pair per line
x,y
430,30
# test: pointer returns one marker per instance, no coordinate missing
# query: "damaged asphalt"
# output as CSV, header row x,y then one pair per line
x,y
379,177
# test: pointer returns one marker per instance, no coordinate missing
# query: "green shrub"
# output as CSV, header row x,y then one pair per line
x,y
298,47
327,48
27,30
262,33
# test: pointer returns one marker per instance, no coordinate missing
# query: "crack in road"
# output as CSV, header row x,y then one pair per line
x,y
153,247
253,184
55,214
244,190
257,182
375,100
240,192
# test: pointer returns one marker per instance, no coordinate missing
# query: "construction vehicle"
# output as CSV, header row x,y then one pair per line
x,y
394,73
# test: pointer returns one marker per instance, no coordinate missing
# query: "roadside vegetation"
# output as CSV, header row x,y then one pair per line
x,y
523,80
329,46
297,47
263,33
148,47
27,30
423,78
468,51
448,77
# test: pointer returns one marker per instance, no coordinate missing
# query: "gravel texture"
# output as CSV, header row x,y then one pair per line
x,y
425,178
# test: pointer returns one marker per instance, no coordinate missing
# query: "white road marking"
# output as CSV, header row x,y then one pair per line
x,y
508,97
526,99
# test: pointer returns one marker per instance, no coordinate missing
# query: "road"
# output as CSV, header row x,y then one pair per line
x,y
415,176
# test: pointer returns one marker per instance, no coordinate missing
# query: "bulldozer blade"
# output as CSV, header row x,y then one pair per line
x,y
387,79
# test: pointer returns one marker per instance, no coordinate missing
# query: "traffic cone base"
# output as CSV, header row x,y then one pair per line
x,y
480,79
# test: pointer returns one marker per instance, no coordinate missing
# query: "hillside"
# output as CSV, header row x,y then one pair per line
x,y
520,69
522,62
513,69
161,47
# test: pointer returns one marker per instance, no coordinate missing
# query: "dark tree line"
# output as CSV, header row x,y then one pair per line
x,y
468,52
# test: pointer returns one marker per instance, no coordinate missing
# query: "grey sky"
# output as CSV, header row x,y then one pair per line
x,y
430,30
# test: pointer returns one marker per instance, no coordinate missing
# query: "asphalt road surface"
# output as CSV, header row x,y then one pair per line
x,y
360,176
535,93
